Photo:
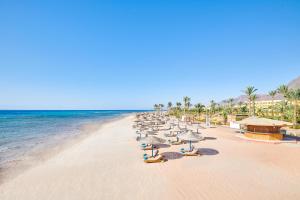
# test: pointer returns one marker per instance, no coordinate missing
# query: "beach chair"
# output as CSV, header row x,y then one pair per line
x,y
156,159
188,152
175,142
194,152
149,154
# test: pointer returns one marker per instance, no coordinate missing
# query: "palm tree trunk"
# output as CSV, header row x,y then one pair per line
x,y
295,114
283,110
250,108
272,108
253,108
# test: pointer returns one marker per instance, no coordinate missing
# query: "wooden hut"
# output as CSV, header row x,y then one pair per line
x,y
262,128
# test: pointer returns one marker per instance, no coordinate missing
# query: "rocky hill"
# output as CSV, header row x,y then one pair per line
x,y
295,84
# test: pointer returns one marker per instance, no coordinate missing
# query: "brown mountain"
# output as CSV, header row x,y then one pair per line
x,y
295,84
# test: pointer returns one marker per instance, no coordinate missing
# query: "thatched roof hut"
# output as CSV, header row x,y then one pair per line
x,y
263,129
256,121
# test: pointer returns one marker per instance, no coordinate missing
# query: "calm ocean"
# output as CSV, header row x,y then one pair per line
x,y
23,131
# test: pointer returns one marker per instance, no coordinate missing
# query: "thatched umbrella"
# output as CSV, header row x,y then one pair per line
x,y
150,131
137,120
176,129
191,137
153,140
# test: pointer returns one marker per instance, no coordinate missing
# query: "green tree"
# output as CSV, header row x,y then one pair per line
x,y
294,97
249,92
161,106
212,106
156,107
186,103
178,105
225,116
170,105
253,99
240,104
231,104
283,90
272,94
199,108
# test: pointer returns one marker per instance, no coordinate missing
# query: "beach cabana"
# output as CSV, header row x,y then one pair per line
x,y
263,128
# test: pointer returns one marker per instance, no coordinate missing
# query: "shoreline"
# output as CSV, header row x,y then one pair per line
x,y
109,165
39,155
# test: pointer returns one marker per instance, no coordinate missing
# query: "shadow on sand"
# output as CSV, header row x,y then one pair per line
x,y
172,155
163,145
291,138
208,151
210,138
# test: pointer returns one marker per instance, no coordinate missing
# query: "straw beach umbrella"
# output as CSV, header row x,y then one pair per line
x,y
150,131
176,129
191,137
153,140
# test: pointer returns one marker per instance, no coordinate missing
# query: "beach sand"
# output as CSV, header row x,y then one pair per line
x,y
108,165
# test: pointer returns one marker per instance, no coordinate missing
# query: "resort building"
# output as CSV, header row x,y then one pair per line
x,y
262,102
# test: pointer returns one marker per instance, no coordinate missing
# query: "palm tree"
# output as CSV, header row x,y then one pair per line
x,y
170,105
161,106
230,101
178,105
294,97
253,99
199,108
213,105
240,106
284,90
155,107
272,94
250,91
186,103
225,116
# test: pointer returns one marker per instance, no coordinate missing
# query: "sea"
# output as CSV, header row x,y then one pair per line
x,y
23,133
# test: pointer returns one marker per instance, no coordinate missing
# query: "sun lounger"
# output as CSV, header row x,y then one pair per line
x,y
156,159
149,154
192,153
175,142
188,152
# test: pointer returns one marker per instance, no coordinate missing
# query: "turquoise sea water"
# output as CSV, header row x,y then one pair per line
x,y
23,131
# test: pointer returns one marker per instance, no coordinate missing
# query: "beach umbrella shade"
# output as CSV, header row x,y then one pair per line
x,y
142,128
176,129
151,132
191,137
153,140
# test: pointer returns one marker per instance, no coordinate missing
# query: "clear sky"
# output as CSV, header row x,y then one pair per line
x,y
132,54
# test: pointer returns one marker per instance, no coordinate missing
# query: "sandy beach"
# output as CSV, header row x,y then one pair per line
x,y
108,165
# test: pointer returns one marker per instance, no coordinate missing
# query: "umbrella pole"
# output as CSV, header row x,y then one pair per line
x,y
152,150
190,145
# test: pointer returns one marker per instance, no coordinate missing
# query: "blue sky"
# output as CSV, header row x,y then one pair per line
x,y
132,54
